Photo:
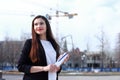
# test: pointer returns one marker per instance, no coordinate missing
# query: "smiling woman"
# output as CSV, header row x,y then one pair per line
x,y
40,53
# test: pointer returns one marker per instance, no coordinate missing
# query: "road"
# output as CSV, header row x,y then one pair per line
x,y
19,77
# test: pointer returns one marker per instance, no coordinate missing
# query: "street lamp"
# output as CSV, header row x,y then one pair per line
x,y
83,60
71,40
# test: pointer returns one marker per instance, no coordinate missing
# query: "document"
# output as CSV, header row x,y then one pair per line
x,y
61,59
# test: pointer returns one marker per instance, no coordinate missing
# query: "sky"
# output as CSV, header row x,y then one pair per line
x,y
93,16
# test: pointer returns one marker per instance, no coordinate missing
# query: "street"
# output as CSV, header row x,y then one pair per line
x,y
19,77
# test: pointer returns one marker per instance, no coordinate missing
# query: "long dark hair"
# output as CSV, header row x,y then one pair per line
x,y
35,37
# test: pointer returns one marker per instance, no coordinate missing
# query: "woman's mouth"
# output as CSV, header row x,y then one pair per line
x,y
39,29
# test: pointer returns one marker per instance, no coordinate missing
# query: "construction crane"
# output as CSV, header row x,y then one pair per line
x,y
65,14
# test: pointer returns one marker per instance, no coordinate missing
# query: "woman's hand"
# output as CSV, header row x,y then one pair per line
x,y
51,68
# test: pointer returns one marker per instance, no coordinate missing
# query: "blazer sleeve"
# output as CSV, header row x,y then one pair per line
x,y
24,60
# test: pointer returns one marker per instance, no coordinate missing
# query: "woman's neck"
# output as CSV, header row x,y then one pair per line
x,y
43,37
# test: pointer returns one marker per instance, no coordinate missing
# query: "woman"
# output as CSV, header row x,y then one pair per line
x,y
40,53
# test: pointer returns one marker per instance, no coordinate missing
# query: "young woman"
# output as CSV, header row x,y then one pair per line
x,y
40,53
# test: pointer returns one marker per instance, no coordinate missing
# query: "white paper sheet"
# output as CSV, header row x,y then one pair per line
x,y
61,59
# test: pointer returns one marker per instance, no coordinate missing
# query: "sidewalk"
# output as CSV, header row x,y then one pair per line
x,y
63,73
89,73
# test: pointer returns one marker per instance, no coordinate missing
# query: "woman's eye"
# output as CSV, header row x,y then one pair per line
x,y
36,24
41,23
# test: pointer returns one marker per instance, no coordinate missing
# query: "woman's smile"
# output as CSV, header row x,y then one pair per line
x,y
39,29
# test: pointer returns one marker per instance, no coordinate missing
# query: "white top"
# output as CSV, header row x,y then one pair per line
x,y
50,56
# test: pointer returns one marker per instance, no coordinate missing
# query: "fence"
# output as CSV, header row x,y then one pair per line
x,y
8,68
92,69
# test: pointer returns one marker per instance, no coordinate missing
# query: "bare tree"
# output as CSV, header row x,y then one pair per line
x,y
117,57
11,50
104,48
1,55
16,50
6,50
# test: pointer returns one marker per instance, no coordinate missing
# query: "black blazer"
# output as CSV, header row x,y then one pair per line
x,y
25,63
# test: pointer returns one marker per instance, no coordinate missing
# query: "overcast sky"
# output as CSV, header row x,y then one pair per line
x,y
93,15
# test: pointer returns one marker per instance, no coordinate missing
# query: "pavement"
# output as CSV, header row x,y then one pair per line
x,y
67,75
72,73
89,73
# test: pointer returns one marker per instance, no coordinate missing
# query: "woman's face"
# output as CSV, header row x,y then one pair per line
x,y
40,26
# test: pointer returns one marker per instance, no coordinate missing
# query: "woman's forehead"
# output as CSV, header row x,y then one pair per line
x,y
39,20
